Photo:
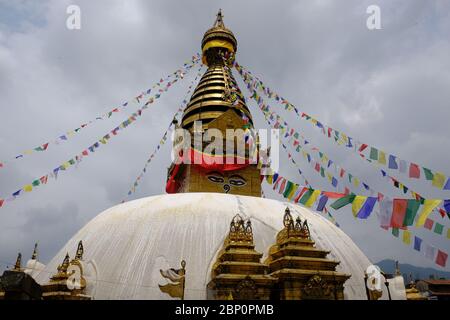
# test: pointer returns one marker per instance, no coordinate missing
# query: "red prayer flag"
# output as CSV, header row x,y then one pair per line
x,y
341,174
414,171
329,132
317,167
441,258
442,212
1,202
45,146
398,212
43,179
85,153
428,224
346,191
333,195
363,146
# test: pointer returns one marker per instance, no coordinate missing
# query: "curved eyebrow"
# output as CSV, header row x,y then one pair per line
x,y
236,176
214,173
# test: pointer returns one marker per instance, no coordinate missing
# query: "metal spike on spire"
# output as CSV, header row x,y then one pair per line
x,y
219,20
34,255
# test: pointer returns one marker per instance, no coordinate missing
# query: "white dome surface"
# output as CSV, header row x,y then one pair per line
x,y
129,243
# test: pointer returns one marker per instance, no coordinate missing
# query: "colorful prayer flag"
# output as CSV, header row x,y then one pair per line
x,y
428,206
414,171
399,212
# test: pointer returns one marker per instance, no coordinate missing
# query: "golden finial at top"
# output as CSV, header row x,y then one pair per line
x,y
219,20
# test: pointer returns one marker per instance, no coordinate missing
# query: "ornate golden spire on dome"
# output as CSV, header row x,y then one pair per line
x,y
18,264
80,251
35,253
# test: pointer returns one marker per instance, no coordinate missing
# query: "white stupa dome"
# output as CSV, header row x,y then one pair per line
x,y
127,245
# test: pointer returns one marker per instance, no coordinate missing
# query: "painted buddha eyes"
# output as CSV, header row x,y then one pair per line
x,y
234,180
215,179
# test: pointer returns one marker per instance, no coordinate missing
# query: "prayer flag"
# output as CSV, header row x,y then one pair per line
x,y
441,258
373,153
428,224
322,202
343,201
367,208
430,251
407,237
381,157
428,206
428,174
438,228
306,196
417,243
414,171
392,162
385,212
411,212
447,185
398,212
438,180
357,204
28,188
312,199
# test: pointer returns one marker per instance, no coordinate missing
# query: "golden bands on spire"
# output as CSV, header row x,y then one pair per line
x,y
209,100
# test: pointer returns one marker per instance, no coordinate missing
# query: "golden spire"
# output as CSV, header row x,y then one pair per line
x,y
62,268
34,255
80,251
17,265
219,20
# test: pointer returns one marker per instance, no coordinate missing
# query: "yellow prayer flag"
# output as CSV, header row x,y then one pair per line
x,y
355,182
292,192
357,204
448,233
66,165
269,179
28,188
330,177
312,199
407,237
428,206
381,157
28,151
438,180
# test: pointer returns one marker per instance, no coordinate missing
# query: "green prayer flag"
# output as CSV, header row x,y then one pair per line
x,y
339,203
373,153
288,189
36,183
306,196
428,174
411,211
322,172
395,232
438,228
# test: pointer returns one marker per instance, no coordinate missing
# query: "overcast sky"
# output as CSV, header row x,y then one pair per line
x,y
387,87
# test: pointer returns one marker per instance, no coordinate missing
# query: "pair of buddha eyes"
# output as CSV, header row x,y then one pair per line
x,y
234,180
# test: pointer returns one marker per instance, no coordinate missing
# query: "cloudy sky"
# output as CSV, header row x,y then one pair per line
x,y
386,87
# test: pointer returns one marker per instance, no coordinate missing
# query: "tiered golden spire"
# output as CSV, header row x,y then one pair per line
x,y
211,98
